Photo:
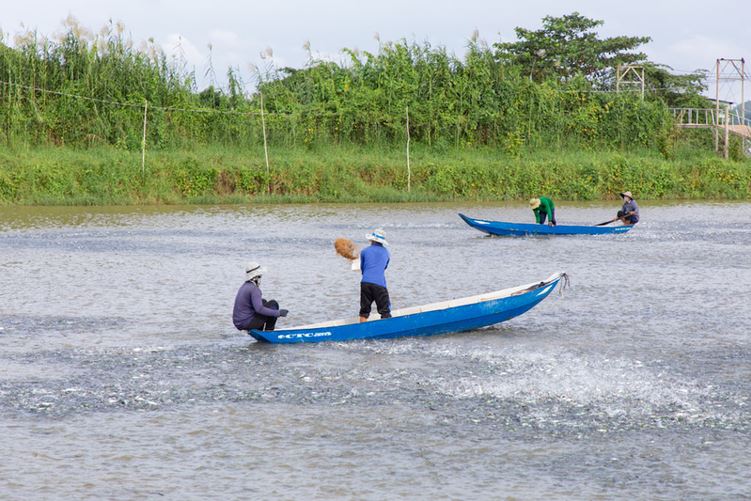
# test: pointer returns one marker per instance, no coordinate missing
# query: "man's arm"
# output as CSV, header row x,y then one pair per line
x,y
549,207
255,298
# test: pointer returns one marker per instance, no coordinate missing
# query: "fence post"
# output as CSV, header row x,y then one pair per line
x,y
717,108
265,147
409,170
726,149
143,141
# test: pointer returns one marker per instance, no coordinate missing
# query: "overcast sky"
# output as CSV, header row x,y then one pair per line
x,y
686,35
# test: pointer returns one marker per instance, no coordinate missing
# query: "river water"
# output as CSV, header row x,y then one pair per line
x,y
122,377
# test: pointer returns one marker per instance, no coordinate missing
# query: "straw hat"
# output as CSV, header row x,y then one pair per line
x,y
377,236
627,194
534,203
253,270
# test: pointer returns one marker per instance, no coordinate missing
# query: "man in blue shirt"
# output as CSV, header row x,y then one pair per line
x,y
251,310
373,262
629,213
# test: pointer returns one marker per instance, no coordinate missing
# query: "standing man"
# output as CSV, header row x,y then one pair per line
x,y
543,208
251,310
374,260
629,213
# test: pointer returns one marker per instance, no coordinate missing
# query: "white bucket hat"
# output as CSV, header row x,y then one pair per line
x,y
253,270
377,236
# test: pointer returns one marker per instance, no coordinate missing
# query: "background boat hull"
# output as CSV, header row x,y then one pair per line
x,y
502,228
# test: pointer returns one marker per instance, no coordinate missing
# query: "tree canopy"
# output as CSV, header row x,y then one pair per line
x,y
568,46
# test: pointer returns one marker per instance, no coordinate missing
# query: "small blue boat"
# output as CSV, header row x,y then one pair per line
x,y
503,228
457,315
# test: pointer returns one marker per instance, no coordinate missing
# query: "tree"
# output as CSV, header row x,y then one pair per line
x,y
567,46
676,90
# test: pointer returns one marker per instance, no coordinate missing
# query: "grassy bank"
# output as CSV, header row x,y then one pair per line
x,y
106,175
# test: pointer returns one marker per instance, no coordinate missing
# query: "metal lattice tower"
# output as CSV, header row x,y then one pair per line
x,y
737,72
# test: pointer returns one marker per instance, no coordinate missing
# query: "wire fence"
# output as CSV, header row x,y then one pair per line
x,y
149,110
147,125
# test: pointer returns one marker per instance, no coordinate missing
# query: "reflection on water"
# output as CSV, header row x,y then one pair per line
x,y
121,374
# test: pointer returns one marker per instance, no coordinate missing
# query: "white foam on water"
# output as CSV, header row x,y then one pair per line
x,y
608,387
554,382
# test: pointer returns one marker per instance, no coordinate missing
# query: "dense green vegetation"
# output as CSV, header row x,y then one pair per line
x,y
49,175
504,121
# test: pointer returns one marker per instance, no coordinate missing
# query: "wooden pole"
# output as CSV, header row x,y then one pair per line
x,y
743,98
409,169
743,104
143,140
642,83
727,136
717,107
618,78
265,146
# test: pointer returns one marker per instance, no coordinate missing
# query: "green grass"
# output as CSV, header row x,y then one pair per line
x,y
212,175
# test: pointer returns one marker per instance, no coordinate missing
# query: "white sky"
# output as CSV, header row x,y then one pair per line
x,y
687,34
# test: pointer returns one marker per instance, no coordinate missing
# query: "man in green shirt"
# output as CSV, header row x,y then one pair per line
x,y
543,208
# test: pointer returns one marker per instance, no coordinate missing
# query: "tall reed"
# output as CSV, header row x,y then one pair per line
x,y
86,90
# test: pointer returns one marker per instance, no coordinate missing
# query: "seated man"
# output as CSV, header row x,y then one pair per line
x,y
629,213
543,208
251,310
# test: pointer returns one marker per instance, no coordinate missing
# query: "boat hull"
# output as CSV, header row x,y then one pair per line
x,y
506,229
453,319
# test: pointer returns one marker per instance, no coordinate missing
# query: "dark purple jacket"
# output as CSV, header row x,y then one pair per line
x,y
629,206
248,304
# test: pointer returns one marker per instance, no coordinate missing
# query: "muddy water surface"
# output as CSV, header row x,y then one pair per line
x,y
121,375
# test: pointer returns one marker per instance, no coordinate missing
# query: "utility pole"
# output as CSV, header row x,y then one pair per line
x,y
743,98
717,108
629,74
726,148
737,72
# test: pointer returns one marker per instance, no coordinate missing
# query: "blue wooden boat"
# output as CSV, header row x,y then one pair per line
x,y
456,315
503,228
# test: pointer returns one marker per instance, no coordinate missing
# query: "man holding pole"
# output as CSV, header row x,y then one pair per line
x,y
629,213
